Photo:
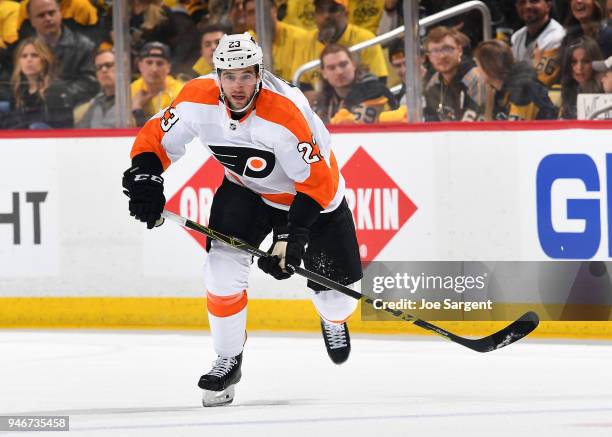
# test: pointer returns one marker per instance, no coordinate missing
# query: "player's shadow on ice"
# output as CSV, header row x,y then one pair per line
x,y
265,403
96,411
170,409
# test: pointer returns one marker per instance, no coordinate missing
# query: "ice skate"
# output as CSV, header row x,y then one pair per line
x,y
218,384
337,341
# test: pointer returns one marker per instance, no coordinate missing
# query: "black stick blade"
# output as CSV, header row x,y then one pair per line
x,y
511,333
508,335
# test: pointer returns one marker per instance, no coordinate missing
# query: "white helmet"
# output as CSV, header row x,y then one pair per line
x,y
239,51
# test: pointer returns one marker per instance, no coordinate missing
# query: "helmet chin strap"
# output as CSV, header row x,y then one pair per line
x,y
245,107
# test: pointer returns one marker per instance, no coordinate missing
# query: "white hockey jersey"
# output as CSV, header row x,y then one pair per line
x,y
278,148
540,52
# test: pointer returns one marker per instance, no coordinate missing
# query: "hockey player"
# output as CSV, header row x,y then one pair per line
x,y
280,176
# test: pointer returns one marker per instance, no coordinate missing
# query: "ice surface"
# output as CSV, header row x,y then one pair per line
x,y
144,384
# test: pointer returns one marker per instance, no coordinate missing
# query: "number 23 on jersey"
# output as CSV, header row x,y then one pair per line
x,y
308,154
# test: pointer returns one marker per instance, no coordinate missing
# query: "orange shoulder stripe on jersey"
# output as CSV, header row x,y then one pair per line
x,y
203,91
322,183
225,306
149,139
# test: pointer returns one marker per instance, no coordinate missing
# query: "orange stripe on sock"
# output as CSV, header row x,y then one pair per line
x,y
225,306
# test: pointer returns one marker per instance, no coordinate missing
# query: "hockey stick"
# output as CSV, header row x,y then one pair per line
x,y
508,335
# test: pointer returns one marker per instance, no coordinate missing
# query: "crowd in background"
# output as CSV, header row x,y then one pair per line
x,y
57,63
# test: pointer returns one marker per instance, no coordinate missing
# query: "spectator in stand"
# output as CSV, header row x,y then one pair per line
x,y
237,17
151,21
300,13
217,12
100,111
211,35
366,13
349,95
36,101
333,27
82,12
537,43
198,10
9,10
287,39
156,89
397,60
609,7
604,68
185,53
80,15
588,18
8,35
518,93
73,52
577,74
456,91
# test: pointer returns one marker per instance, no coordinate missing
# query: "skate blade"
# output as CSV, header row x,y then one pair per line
x,y
218,398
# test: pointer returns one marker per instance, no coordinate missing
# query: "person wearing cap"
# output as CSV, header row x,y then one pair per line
x,y
281,178
538,41
156,89
331,17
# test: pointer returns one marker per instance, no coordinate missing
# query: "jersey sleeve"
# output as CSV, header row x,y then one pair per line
x,y
547,65
168,131
301,146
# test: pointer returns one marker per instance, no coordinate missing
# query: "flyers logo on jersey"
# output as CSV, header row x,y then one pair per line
x,y
245,161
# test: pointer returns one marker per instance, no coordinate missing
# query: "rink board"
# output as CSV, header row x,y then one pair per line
x,y
444,192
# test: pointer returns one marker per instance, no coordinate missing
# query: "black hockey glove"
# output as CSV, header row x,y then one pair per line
x,y
145,188
287,249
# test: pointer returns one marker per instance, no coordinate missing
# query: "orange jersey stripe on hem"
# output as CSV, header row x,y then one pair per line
x,y
282,199
225,306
